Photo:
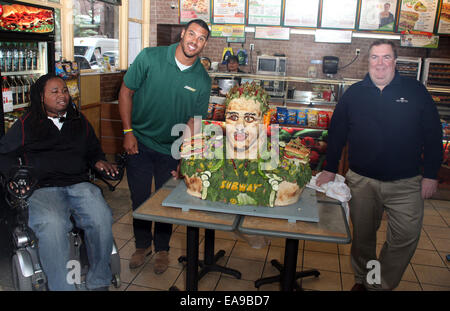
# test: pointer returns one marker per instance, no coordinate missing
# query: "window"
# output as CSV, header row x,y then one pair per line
x,y
135,23
58,47
95,34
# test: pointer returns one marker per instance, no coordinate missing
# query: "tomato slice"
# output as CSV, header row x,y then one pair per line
x,y
1,9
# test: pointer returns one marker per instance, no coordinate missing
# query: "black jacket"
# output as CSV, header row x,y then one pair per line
x,y
59,158
387,131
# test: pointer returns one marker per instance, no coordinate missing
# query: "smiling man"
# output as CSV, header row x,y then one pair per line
x,y
164,86
395,151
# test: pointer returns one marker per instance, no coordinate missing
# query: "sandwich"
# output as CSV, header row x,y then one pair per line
x,y
296,151
445,12
408,20
26,18
193,146
420,7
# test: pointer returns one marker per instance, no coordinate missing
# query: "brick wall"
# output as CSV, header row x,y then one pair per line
x,y
300,49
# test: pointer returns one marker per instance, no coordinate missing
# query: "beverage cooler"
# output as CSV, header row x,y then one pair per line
x,y
27,51
409,66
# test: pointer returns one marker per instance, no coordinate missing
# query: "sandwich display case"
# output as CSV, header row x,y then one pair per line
x,y
409,66
436,77
436,72
27,51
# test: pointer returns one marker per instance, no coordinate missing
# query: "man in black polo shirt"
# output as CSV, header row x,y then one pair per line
x,y
389,122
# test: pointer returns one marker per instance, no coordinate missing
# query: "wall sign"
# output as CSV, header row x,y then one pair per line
x,y
193,9
228,12
377,15
265,12
339,14
301,13
419,15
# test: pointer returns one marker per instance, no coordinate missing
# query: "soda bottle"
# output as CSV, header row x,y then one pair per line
x,y
29,57
26,89
34,57
13,88
19,90
22,60
8,58
5,89
2,58
15,55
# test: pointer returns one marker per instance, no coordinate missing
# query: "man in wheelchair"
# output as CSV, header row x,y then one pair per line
x,y
58,142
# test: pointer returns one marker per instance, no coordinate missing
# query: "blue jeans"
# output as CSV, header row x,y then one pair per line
x,y
141,168
49,217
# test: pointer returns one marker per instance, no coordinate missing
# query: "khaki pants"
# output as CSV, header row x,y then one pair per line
x,y
403,203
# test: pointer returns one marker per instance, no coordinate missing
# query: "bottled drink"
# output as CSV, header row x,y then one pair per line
x,y
13,88
5,90
2,58
29,57
22,65
15,55
19,90
8,58
26,89
34,57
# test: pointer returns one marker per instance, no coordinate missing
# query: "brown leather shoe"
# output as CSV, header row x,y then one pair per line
x,y
138,258
161,262
358,287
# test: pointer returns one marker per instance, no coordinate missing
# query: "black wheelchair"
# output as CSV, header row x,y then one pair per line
x,y
27,273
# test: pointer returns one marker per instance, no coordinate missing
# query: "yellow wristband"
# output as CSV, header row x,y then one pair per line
x,y
127,131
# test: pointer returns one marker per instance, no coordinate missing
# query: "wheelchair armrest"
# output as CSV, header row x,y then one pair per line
x,y
120,163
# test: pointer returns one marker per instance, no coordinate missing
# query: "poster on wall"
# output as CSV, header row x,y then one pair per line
x,y
339,14
235,31
272,33
26,18
419,40
265,12
419,15
228,12
301,13
444,18
377,15
193,9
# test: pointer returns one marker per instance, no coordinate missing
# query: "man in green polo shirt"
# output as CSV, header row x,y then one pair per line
x,y
164,86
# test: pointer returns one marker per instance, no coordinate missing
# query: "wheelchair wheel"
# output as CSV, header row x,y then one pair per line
x,y
116,280
21,282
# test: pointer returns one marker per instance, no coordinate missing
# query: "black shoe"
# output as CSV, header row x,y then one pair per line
x,y
358,288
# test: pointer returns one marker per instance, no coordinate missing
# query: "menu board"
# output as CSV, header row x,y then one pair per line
x,y
193,9
236,31
377,15
26,18
264,12
339,14
273,33
301,13
418,15
228,11
444,18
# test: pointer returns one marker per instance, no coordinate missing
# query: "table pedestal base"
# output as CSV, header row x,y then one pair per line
x,y
287,275
209,264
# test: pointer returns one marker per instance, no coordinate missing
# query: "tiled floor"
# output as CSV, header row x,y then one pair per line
x,y
428,270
